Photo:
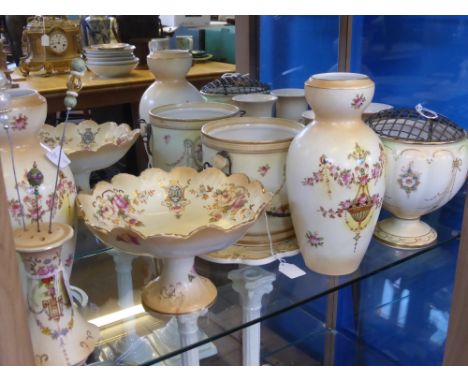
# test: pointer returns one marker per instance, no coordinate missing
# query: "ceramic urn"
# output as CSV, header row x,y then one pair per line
x,y
335,175
28,112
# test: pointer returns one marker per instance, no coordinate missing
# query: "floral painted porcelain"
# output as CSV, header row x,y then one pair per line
x,y
175,132
335,175
427,164
60,336
176,216
256,147
170,68
255,104
28,113
90,146
291,103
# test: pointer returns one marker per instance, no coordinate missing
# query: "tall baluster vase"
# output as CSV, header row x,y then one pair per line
x,y
28,114
59,334
335,175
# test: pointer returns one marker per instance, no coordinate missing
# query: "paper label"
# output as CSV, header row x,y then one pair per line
x,y
53,156
290,270
44,40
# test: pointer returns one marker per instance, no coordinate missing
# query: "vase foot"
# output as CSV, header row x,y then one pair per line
x,y
405,234
196,293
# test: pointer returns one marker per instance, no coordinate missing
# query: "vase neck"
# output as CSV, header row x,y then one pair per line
x,y
342,122
44,264
339,96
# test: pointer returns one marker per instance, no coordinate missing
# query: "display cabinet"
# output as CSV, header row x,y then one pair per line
x,y
393,310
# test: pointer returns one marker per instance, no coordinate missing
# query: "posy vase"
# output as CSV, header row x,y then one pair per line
x,y
28,114
170,68
60,336
335,178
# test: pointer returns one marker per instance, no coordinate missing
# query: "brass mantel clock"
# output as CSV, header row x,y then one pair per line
x,y
52,43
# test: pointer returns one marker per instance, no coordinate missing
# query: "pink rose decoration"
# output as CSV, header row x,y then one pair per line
x,y
239,202
120,202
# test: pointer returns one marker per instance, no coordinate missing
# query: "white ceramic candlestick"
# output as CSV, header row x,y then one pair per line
x,y
252,283
188,329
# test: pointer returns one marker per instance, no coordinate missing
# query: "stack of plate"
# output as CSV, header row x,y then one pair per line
x,y
201,56
111,60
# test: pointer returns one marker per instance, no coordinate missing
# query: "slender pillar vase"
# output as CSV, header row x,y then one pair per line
x,y
60,336
170,68
334,175
28,114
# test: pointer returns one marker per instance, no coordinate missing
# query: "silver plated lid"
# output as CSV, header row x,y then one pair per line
x,y
417,125
235,83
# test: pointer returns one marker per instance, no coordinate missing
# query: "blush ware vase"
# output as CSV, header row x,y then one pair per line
x,y
427,163
28,113
335,175
60,336
170,68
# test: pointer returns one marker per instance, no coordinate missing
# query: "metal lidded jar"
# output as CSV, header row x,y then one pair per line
x,y
426,164
257,147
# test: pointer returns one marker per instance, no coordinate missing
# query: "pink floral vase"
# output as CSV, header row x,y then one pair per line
x,y
27,115
335,175
60,335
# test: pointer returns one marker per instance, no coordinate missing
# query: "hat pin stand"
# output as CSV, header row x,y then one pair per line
x,y
59,334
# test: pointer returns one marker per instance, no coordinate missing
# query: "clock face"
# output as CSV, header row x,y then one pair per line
x,y
58,42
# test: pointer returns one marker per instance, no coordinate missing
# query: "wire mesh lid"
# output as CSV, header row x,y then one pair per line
x,y
235,83
415,125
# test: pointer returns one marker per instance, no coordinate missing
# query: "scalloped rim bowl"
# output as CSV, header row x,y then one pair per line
x,y
90,146
174,215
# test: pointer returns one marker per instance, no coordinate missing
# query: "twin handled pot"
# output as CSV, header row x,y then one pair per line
x,y
175,132
256,147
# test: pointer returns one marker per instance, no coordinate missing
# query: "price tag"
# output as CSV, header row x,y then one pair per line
x,y
45,40
53,156
290,270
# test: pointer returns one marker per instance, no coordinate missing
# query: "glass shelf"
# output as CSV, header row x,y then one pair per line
x,y
400,318
132,336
